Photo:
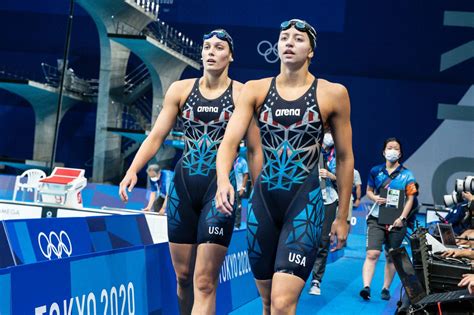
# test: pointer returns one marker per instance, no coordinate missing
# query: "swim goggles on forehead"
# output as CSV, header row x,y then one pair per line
x,y
222,35
301,26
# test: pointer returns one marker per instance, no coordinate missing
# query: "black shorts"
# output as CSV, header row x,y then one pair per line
x,y
191,212
378,235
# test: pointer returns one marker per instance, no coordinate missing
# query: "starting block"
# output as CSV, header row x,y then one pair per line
x,y
63,187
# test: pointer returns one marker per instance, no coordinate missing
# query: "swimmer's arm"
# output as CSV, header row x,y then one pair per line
x,y
161,128
254,150
340,123
235,131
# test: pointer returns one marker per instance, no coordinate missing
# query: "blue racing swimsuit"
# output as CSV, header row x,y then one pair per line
x,y
192,215
286,211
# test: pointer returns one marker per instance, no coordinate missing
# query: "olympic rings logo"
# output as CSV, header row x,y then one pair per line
x,y
268,51
55,244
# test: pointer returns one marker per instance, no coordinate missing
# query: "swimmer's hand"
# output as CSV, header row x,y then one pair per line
x,y
224,199
127,184
339,231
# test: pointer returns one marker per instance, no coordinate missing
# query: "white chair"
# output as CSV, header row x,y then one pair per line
x,y
31,183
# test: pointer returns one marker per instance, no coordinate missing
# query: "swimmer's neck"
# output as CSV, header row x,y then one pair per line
x,y
294,78
214,80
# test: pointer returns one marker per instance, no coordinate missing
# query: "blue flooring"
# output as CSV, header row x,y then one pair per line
x,y
340,288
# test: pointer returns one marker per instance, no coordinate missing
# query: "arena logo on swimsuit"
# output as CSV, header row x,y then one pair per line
x,y
297,258
216,230
208,109
287,112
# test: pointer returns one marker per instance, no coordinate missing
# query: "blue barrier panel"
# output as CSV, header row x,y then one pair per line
x,y
118,231
236,282
161,280
6,258
37,288
114,282
82,285
5,294
34,240
138,280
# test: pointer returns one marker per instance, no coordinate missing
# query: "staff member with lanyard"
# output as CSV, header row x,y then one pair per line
x,y
393,175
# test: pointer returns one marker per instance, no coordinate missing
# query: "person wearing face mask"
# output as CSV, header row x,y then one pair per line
x,y
391,174
331,200
159,181
198,234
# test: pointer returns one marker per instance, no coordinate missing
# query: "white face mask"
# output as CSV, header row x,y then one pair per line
x,y
328,140
154,179
392,155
